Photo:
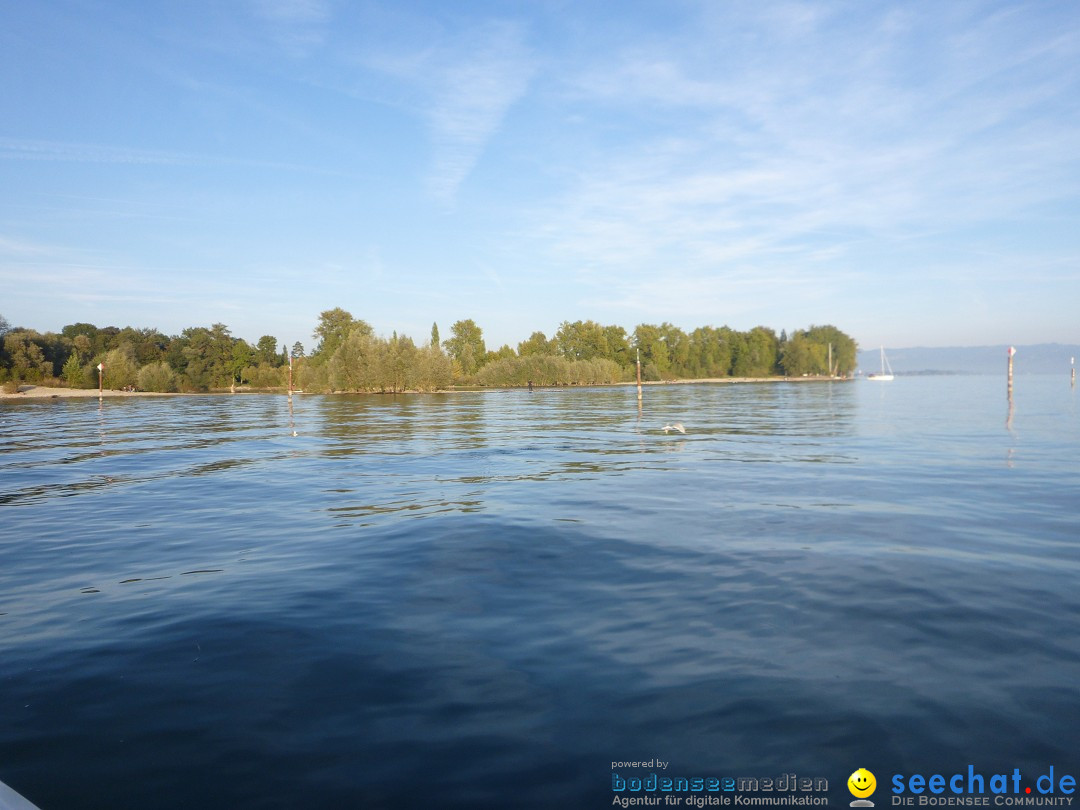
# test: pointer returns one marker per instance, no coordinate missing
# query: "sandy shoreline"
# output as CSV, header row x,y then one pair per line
x,y
44,392
27,392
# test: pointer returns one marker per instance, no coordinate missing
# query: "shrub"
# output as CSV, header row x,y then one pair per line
x,y
542,369
266,376
120,367
157,377
73,372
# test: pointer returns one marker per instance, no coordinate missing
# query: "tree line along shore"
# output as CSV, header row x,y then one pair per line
x,y
349,357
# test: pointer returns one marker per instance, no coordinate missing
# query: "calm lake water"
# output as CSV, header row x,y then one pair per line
x,y
484,599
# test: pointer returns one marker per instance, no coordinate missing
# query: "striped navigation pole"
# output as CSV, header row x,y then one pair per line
x,y
1072,377
100,380
290,375
1012,351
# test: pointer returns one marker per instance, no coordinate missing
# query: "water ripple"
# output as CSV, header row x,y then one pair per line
x,y
448,600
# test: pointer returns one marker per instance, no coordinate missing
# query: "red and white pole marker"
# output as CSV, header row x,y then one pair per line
x,y
100,379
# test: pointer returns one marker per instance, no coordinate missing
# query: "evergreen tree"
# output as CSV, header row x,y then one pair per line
x,y
266,350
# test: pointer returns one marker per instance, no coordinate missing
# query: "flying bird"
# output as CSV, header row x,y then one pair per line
x,y
677,426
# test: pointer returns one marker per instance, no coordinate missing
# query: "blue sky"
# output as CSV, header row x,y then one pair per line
x,y
908,171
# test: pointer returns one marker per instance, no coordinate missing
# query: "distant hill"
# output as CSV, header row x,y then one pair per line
x,y
1041,358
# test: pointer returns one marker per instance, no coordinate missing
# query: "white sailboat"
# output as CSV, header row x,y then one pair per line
x,y
886,370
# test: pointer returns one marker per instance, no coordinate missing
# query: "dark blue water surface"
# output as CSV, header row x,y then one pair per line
x,y
484,599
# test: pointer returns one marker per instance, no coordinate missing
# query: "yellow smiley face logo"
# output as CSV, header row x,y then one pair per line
x,y
861,783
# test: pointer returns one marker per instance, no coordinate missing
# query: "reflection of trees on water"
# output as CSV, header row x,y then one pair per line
x,y
418,455
398,424
591,419
364,457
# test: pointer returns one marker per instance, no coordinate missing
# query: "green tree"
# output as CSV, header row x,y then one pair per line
x,y
82,345
844,348
105,339
581,340
148,344
756,354
549,369
799,355
157,377
710,352
55,349
221,354
537,344
433,369
399,365
501,353
242,357
434,335
311,377
73,372
649,340
367,363
266,351
334,326
73,330
26,358
266,376
204,356
354,365
466,346
618,345
121,370
678,349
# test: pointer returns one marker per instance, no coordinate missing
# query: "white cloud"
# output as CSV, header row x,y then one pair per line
x,y
27,149
293,11
20,248
298,26
838,133
59,151
461,84
475,89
